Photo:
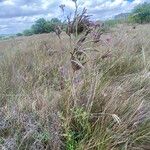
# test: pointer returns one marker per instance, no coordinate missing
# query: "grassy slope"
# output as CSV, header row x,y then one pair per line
x,y
43,106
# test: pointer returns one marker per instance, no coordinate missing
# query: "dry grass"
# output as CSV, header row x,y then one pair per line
x,y
104,106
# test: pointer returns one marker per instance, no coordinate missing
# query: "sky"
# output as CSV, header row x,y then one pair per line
x,y
18,15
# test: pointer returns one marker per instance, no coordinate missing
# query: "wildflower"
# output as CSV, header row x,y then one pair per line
x,y
62,7
97,36
108,40
58,31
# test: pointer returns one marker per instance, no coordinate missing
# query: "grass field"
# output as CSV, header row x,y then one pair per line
x,y
44,105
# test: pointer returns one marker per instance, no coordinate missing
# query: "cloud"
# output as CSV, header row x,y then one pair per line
x,y
17,15
18,8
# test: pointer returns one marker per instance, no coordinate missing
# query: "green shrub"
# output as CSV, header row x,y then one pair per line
x,y
141,13
39,26
27,32
43,26
19,34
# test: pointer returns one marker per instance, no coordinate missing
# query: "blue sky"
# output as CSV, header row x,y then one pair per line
x,y
17,15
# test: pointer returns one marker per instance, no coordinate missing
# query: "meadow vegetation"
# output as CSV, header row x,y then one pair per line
x,y
47,104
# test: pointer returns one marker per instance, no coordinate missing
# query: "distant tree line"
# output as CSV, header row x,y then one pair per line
x,y
140,14
41,26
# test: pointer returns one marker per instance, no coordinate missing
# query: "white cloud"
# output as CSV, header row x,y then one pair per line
x,y
9,2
